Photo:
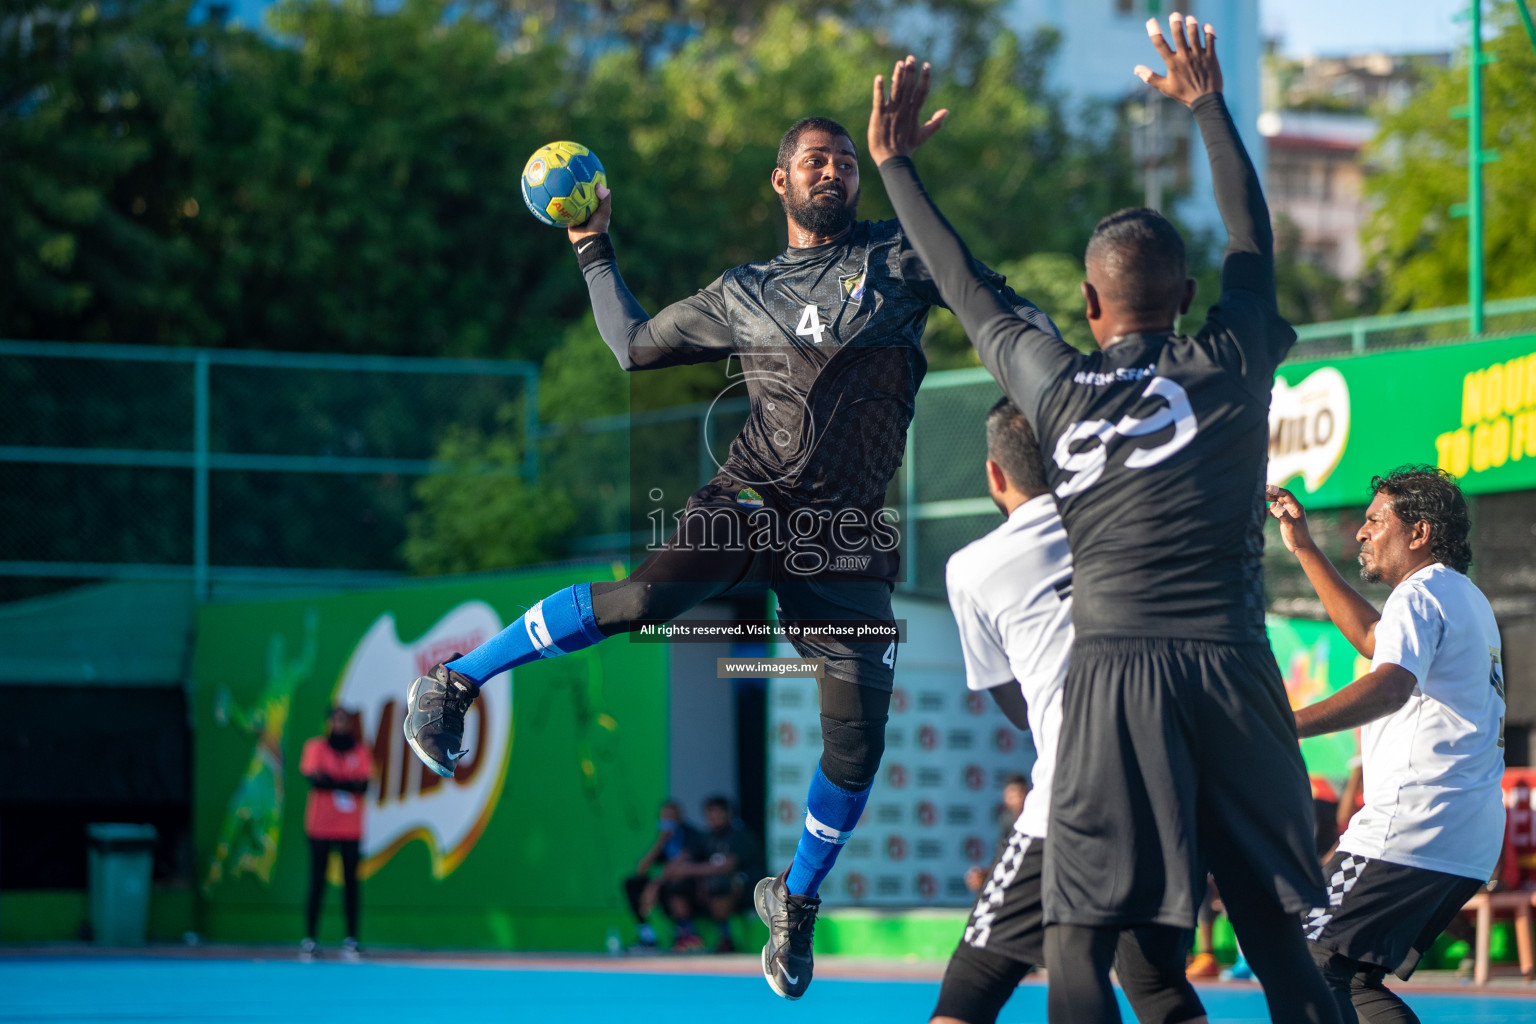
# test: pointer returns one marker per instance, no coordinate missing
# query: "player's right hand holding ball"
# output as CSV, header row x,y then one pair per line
x,y
597,224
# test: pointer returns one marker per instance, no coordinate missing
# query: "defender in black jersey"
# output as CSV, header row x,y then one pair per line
x,y
829,337
1178,746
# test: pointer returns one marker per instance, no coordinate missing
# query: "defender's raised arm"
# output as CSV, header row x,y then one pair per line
x,y
1018,350
1194,79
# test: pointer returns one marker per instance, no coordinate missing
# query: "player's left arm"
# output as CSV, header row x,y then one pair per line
x,y
693,330
1009,698
1374,695
1025,358
1248,267
1407,636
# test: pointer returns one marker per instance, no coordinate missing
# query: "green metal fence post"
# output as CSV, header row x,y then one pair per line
x,y
531,431
200,403
1475,171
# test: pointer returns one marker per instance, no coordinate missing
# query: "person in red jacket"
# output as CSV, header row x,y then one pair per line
x,y
338,768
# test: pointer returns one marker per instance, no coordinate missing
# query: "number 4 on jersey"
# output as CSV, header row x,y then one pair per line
x,y
810,325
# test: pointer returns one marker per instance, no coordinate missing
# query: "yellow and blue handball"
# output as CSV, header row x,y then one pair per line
x,y
560,183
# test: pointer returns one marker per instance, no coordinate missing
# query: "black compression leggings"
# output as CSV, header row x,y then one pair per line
x,y
1149,962
1358,990
675,579
667,583
319,856
1150,965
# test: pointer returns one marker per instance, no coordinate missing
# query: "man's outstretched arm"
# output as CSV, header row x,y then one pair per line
x,y
1346,607
694,330
1020,353
1194,79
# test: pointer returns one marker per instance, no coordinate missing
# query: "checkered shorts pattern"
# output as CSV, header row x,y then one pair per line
x,y
979,929
1339,883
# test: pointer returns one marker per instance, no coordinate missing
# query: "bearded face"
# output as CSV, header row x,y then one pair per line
x,y
825,209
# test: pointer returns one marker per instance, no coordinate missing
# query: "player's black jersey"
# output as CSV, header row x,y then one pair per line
x,y
829,343
1155,447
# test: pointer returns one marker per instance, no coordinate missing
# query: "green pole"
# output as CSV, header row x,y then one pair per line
x,y
1475,171
200,410
1525,16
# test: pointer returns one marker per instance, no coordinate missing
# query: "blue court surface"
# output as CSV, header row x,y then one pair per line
x,y
153,988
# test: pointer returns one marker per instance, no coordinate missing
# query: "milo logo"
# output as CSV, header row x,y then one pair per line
x,y
408,801
1308,428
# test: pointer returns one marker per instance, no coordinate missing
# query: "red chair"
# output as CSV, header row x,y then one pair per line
x,y
1516,876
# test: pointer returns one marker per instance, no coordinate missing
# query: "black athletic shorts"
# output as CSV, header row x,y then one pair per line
x,y
860,594
1385,914
1175,757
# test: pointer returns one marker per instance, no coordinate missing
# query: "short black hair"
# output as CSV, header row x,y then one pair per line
x,y
720,801
1011,444
1016,780
1142,256
791,140
1424,494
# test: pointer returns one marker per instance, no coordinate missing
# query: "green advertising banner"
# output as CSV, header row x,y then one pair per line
x,y
1469,409
1316,662
524,847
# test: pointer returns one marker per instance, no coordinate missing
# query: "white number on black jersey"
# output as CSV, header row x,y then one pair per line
x,y
810,325
1088,464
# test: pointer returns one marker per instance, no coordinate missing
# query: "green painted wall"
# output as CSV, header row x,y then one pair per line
x,y
540,859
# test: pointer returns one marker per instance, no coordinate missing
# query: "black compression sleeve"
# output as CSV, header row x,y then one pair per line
x,y
619,314
1250,257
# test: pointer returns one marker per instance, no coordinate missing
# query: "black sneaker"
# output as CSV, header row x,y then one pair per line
x,y
434,717
791,922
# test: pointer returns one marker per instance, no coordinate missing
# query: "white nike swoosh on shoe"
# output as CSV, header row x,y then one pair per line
x,y
787,976
454,756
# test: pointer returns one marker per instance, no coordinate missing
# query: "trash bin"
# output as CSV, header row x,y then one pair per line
x,y
121,866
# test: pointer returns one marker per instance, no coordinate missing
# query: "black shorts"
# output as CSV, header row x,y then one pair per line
x,y
1175,757
1007,919
712,541
1385,914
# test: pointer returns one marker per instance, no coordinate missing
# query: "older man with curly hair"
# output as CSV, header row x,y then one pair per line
x,y
1431,720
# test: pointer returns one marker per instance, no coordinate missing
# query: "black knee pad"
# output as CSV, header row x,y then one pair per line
x,y
977,983
851,752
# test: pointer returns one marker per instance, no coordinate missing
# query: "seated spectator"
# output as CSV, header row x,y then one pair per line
x,y
1015,789
676,840
726,864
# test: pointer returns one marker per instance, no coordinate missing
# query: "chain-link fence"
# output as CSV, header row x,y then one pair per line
x,y
221,467
1398,330
213,466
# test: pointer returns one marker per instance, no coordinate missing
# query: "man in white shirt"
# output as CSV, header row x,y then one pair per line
x,y
1431,720
1011,592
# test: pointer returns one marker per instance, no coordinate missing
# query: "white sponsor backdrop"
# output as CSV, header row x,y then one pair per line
x,y
935,809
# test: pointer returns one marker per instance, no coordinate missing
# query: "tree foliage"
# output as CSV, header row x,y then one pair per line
x,y
1420,248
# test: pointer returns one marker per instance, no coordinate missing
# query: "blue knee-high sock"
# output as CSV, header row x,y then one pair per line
x,y
830,814
560,624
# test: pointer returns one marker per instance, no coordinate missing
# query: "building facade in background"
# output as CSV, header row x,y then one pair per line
x,y
1320,114
1102,40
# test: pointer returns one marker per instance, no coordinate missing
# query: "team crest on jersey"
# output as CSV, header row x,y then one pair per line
x,y
748,498
853,286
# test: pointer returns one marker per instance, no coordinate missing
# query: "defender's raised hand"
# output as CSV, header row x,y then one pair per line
x,y
895,125
1192,67
1293,518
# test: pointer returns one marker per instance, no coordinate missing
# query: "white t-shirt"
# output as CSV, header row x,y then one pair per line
x,y
1011,592
1433,767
